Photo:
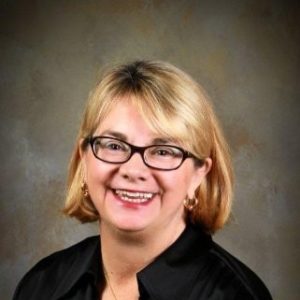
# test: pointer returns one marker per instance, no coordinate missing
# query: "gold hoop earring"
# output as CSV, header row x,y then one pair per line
x,y
190,203
84,189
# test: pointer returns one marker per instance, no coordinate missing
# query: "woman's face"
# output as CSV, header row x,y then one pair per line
x,y
113,187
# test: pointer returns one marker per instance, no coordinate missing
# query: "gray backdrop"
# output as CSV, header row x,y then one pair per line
x,y
245,53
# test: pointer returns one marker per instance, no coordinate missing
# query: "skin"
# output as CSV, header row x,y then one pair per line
x,y
126,228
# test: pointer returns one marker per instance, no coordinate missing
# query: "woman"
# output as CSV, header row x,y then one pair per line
x,y
151,164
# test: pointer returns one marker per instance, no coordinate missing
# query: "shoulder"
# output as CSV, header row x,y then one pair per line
x,y
247,284
49,272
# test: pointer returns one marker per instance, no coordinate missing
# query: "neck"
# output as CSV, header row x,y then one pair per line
x,y
126,253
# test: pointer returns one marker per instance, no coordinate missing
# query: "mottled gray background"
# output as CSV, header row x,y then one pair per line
x,y
245,53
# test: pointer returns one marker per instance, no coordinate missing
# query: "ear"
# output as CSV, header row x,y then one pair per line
x,y
199,174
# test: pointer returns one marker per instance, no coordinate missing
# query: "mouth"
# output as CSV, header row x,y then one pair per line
x,y
134,197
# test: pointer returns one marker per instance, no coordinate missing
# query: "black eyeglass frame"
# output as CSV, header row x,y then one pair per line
x,y
141,150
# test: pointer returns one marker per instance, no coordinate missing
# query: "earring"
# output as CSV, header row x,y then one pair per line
x,y
84,189
190,203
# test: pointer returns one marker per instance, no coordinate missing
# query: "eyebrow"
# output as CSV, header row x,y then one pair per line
x,y
115,134
123,137
162,141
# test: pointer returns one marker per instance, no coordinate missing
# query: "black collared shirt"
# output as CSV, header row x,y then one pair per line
x,y
193,268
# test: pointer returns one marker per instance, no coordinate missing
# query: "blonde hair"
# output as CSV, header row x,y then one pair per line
x,y
174,105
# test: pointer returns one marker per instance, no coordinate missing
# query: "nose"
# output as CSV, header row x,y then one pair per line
x,y
134,169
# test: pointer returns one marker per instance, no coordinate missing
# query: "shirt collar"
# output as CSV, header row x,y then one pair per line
x,y
170,276
173,273
85,263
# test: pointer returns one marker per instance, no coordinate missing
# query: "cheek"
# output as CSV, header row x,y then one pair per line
x,y
94,172
98,175
95,169
174,182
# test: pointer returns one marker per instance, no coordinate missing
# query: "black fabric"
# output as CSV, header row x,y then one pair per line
x,y
193,268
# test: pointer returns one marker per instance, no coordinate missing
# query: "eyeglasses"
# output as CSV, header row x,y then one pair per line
x,y
159,157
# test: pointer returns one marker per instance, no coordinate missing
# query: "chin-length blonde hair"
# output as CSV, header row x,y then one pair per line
x,y
173,105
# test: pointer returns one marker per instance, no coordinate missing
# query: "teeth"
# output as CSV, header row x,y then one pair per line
x,y
134,197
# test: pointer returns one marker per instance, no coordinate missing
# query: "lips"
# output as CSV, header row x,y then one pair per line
x,y
133,197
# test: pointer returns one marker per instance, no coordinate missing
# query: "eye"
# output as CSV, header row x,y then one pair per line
x,y
110,145
165,151
113,146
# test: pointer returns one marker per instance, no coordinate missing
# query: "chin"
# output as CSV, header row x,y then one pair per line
x,y
131,226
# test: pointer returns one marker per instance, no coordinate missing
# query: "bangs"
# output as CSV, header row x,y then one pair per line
x,y
162,120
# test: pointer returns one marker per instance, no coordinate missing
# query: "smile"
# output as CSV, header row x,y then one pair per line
x,y
134,197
